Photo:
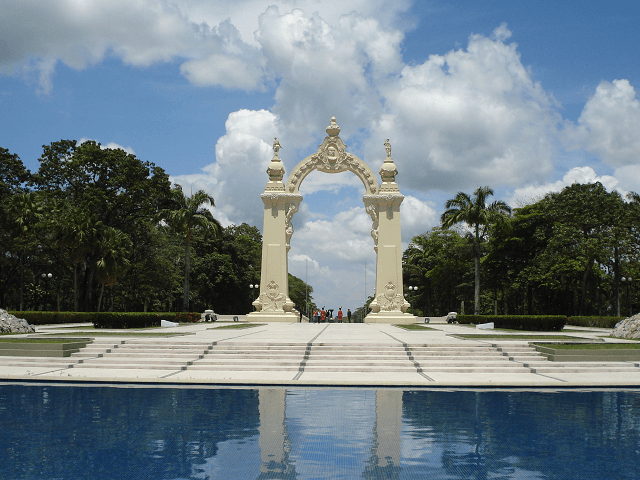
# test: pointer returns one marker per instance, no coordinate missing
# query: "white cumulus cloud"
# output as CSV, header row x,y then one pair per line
x,y
609,125
111,145
533,193
325,70
238,176
468,118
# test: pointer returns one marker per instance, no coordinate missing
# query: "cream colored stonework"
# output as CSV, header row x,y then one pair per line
x,y
382,203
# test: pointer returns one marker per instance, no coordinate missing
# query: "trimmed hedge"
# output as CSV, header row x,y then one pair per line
x,y
602,322
126,320
107,319
139,319
533,323
53,318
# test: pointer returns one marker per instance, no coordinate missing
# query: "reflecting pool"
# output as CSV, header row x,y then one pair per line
x,y
103,432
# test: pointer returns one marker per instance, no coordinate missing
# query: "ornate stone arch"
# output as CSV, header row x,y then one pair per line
x,y
332,157
282,201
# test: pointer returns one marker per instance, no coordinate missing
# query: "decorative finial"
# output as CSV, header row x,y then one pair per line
x,y
275,170
276,146
387,147
388,170
333,129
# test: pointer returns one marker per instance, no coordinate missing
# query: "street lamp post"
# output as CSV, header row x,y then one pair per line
x,y
627,281
253,287
412,288
45,277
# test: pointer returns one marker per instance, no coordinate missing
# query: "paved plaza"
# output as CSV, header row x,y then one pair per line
x,y
329,354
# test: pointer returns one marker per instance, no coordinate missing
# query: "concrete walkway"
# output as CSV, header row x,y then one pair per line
x,y
321,355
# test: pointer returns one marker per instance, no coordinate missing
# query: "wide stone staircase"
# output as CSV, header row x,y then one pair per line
x,y
180,355
536,362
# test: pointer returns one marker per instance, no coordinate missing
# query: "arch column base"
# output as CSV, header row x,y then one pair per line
x,y
268,317
390,317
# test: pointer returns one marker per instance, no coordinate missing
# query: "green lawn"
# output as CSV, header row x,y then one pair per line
x,y
593,346
414,326
527,336
35,340
119,333
237,326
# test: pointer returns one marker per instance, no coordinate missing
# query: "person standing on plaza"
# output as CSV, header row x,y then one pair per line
x,y
314,317
322,315
349,315
340,315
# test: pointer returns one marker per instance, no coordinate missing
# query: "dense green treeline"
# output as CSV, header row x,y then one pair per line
x,y
569,253
98,229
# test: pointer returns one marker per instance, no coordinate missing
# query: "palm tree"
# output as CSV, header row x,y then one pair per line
x,y
190,214
79,236
25,211
113,247
478,216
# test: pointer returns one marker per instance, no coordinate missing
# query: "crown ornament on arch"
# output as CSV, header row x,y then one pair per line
x,y
332,153
333,130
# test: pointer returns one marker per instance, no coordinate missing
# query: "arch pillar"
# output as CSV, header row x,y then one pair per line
x,y
389,304
273,303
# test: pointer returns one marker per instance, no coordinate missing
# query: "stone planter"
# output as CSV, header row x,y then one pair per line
x,y
36,349
587,354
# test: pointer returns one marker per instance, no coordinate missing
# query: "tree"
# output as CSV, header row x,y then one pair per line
x,y
186,216
113,246
224,269
586,235
77,237
26,212
91,189
479,217
299,291
439,263
565,253
13,176
509,265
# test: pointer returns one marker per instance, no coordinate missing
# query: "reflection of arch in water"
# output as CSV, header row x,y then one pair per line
x,y
274,440
382,203
386,445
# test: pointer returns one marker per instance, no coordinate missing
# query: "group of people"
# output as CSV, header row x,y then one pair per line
x,y
327,315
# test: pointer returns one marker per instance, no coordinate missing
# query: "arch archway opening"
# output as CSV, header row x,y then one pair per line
x,y
331,243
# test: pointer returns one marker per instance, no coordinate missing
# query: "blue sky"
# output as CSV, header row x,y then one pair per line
x,y
523,96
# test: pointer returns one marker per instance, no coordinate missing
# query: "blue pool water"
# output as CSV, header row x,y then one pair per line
x,y
102,432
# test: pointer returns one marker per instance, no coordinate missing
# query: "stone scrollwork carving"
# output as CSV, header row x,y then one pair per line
x,y
273,197
301,171
371,208
332,157
332,154
291,208
390,300
392,197
272,300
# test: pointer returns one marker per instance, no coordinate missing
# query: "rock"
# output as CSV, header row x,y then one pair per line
x,y
628,328
12,324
